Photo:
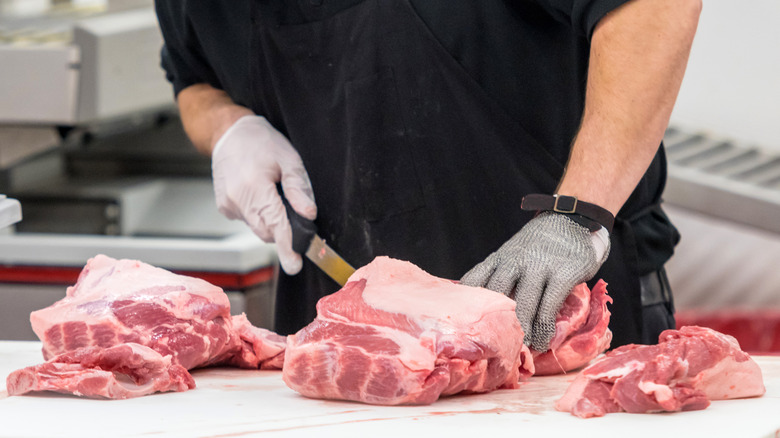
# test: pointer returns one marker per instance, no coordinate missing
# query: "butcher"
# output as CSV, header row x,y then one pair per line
x,y
515,145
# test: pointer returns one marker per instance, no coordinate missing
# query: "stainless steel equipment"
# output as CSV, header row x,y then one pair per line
x,y
723,178
724,197
70,67
92,148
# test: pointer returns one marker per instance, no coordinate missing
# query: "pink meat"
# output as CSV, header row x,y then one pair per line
x,y
260,348
118,372
397,335
581,331
118,301
684,371
126,302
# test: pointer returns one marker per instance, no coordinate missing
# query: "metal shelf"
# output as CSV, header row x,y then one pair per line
x,y
723,178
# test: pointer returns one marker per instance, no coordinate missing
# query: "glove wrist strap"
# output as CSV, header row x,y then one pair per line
x,y
584,213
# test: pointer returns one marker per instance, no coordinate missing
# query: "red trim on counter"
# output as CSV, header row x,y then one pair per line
x,y
228,280
69,275
38,274
757,331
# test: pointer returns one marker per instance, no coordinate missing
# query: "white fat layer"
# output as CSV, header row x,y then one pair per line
x,y
662,393
731,379
614,373
105,280
434,298
437,306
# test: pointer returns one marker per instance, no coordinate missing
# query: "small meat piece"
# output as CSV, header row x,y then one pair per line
x,y
581,331
118,372
395,334
684,371
260,349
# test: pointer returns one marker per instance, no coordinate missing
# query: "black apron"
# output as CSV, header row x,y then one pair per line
x,y
407,154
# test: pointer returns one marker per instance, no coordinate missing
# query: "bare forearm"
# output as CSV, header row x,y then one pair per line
x,y
638,57
206,114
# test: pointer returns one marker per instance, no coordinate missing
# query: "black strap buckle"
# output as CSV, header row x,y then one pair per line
x,y
566,199
584,213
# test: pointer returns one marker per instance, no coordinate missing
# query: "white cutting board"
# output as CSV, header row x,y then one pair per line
x,y
241,403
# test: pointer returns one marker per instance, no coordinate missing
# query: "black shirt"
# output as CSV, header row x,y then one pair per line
x,y
530,56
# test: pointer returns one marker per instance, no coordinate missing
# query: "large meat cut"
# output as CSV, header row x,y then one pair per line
x,y
393,335
684,371
581,331
398,335
130,303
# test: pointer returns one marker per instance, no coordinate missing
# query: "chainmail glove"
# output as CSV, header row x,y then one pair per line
x,y
538,267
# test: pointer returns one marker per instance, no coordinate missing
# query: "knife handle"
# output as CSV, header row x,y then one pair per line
x,y
303,230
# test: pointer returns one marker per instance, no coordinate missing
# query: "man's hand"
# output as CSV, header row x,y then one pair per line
x,y
247,162
249,157
538,267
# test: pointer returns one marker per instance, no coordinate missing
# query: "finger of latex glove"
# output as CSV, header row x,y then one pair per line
x,y
550,250
275,220
247,162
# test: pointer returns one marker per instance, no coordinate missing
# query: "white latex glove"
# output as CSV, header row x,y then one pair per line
x,y
247,162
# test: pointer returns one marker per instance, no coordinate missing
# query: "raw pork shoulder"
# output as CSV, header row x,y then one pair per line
x,y
397,335
581,331
127,302
688,368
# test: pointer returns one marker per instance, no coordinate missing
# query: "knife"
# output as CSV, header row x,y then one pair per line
x,y
306,241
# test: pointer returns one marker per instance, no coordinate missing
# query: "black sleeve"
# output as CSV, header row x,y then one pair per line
x,y
182,57
582,15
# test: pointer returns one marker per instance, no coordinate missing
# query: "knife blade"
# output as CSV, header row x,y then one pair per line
x,y
307,242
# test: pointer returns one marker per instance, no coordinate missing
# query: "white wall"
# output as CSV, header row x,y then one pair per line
x,y
732,85
722,265
731,89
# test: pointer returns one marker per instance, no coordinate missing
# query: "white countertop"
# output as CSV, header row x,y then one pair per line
x,y
172,223
241,403
241,252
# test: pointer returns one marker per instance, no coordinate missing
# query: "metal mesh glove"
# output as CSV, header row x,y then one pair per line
x,y
247,162
538,267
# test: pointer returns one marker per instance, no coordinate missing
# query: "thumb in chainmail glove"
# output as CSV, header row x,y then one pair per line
x,y
538,267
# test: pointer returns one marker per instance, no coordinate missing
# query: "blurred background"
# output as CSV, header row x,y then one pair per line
x,y
723,192
92,149
93,154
